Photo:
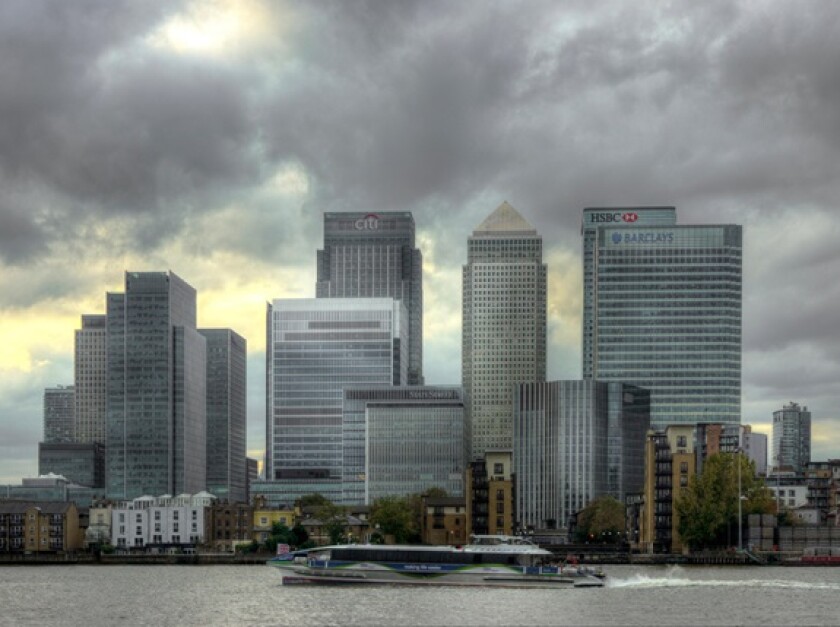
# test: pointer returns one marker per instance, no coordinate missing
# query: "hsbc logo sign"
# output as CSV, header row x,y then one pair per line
x,y
613,217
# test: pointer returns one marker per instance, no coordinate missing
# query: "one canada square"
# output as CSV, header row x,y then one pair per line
x,y
504,323
372,255
662,311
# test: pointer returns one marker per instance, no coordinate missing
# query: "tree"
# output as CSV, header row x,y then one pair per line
x,y
315,499
394,516
334,519
708,508
602,520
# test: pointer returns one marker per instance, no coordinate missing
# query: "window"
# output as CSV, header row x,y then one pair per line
x,y
498,469
138,531
684,467
500,507
175,527
157,515
500,495
681,441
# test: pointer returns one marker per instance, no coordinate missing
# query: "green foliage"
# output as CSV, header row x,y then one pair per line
x,y
395,516
334,518
281,534
708,508
602,520
107,549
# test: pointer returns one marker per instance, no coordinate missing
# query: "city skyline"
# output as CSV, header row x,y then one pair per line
x,y
214,148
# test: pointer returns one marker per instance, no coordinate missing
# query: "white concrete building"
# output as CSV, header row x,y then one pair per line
x,y
160,522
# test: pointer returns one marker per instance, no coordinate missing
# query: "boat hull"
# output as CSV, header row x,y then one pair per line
x,y
421,574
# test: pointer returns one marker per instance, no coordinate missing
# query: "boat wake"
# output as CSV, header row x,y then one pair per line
x,y
677,579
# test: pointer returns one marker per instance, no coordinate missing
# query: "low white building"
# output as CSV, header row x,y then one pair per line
x,y
789,496
164,521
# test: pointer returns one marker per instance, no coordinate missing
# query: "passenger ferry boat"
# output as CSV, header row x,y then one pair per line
x,y
488,561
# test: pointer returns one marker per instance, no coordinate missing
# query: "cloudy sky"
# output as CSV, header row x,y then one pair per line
x,y
208,138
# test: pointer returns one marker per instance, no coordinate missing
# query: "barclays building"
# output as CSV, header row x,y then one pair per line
x,y
662,311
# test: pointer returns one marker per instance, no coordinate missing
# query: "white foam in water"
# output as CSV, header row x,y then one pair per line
x,y
676,578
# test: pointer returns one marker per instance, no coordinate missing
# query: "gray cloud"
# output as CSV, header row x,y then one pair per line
x,y
727,110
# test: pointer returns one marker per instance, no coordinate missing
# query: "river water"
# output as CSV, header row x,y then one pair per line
x,y
252,595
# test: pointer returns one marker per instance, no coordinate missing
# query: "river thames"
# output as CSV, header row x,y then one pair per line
x,y
230,595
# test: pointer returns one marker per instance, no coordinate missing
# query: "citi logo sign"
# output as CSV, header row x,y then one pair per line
x,y
369,223
613,217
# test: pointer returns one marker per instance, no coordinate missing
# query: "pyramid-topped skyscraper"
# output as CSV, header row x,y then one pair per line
x,y
504,323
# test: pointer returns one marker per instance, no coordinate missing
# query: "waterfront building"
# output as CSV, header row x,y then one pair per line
x,y
662,311
59,414
229,525
91,376
160,523
373,255
227,415
489,488
792,437
402,440
504,323
252,474
39,527
156,440
316,348
266,515
99,525
754,445
444,521
573,442
670,462
82,464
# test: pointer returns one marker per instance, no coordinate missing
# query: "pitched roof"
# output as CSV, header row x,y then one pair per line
x,y
505,219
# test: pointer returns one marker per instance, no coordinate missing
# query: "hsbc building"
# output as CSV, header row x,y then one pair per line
x,y
662,311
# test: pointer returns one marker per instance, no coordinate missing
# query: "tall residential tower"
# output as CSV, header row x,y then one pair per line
x,y
504,323
372,255
91,371
662,311
791,437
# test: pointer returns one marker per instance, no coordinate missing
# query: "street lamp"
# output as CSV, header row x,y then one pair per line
x,y
738,461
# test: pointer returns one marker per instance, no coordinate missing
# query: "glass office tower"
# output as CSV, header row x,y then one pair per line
x,y
403,440
316,348
662,310
372,255
91,372
576,441
156,405
59,414
504,323
227,415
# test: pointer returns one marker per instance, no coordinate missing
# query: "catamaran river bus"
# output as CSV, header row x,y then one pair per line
x,y
507,561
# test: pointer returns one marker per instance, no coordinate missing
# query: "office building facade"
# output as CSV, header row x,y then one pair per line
x,y
791,437
373,255
662,310
80,463
316,348
402,440
156,403
59,414
227,415
504,323
573,442
91,374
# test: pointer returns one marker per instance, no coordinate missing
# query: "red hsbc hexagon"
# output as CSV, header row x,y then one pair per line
x,y
630,217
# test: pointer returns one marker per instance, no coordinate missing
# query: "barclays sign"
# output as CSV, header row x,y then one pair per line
x,y
643,238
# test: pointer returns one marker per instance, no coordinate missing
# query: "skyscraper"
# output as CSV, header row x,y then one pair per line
x,y
91,372
370,255
576,441
662,310
156,406
316,347
59,414
504,323
791,437
227,415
